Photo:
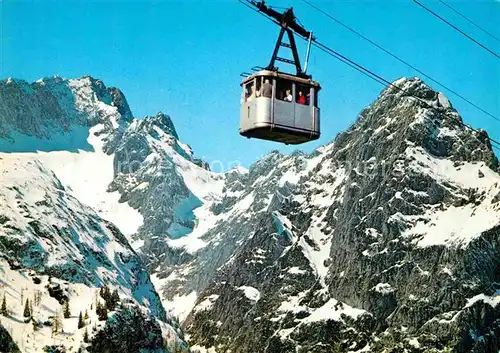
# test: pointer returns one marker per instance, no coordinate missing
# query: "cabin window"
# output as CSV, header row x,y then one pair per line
x,y
284,90
266,87
258,86
249,91
302,94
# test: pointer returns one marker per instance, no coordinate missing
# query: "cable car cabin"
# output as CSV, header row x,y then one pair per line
x,y
279,107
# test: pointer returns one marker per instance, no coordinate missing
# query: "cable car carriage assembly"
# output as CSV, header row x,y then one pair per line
x,y
280,106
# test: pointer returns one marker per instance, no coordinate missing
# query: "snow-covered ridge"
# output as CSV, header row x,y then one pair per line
x,y
53,114
84,133
96,122
54,232
72,119
457,224
84,171
76,153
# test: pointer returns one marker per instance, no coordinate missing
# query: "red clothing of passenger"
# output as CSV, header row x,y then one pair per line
x,y
302,100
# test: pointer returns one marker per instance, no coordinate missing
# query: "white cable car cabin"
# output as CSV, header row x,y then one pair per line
x,y
275,105
279,107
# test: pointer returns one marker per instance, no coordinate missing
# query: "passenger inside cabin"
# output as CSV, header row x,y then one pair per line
x,y
288,96
302,98
250,93
267,89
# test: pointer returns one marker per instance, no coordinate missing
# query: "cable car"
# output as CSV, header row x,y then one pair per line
x,y
280,106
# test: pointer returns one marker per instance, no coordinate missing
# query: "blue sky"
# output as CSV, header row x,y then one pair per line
x,y
184,58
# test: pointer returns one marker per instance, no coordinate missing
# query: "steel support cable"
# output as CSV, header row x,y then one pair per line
x,y
456,28
401,60
468,19
385,82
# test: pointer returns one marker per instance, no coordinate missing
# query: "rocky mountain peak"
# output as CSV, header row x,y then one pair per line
x,y
162,121
415,87
56,209
119,101
55,113
109,95
410,113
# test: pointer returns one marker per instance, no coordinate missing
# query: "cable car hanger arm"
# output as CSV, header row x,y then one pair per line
x,y
285,19
292,46
287,22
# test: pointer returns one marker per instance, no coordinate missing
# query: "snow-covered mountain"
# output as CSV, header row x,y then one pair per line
x,y
385,239
364,245
58,244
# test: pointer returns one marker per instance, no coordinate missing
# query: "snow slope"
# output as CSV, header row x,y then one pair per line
x,y
46,233
17,286
460,224
87,175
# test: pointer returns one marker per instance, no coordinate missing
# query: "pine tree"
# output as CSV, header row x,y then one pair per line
x,y
38,297
86,336
27,311
35,325
102,312
56,323
105,293
86,316
81,323
114,299
3,309
67,312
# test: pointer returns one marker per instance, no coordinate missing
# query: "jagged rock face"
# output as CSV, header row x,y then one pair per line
x,y
47,235
58,111
151,167
386,238
143,158
149,161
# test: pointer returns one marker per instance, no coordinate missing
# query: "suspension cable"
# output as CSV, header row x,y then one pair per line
x,y
455,28
400,60
384,82
468,19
